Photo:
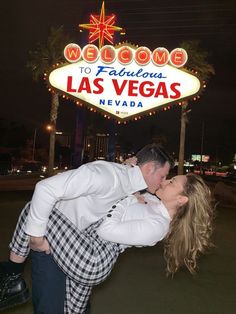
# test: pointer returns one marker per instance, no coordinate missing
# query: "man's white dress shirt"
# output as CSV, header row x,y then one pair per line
x,y
83,195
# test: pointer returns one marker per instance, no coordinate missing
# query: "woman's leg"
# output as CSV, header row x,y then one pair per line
x,y
77,297
82,255
20,241
48,280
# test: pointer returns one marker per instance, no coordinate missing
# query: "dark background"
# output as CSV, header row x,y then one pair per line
x,y
148,23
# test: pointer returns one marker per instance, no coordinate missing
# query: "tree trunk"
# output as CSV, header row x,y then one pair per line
x,y
111,155
182,138
79,137
53,121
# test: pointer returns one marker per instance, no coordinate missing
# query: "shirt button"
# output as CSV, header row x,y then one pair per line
x,y
109,211
114,206
109,215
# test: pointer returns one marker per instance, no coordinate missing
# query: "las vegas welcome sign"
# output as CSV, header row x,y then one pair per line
x,y
124,81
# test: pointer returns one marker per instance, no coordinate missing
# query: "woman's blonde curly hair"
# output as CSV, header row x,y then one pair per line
x,y
191,228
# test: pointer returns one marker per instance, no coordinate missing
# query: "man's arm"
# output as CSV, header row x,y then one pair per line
x,y
68,185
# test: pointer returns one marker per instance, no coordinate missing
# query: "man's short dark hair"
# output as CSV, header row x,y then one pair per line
x,y
155,153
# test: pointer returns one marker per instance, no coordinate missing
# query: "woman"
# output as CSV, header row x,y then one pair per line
x,y
180,212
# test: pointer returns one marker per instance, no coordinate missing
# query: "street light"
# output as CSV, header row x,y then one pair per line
x,y
52,130
49,127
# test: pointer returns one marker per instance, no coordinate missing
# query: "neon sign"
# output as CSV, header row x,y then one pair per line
x,y
124,81
101,27
125,55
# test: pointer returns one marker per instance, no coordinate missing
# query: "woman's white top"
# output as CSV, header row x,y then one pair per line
x,y
131,223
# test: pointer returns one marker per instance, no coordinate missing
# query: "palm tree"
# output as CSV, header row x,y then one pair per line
x,y
198,61
41,60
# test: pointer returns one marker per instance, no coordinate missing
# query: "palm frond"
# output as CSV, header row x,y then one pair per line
x,y
45,55
197,59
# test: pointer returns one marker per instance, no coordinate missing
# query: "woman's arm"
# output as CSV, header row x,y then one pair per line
x,y
137,230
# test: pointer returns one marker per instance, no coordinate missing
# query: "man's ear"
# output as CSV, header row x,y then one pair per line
x,y
147,168
182,200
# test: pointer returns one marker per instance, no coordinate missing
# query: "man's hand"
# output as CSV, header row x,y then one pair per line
x,y
39,244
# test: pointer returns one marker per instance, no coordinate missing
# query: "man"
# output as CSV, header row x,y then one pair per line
x,y
84,196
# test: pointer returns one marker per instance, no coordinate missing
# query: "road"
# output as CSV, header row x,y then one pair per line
x,y
19,182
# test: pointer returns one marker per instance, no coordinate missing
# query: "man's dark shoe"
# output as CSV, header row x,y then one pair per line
x,y
13,290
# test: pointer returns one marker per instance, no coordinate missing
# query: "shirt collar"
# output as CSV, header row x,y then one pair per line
x,y
137,182
154,194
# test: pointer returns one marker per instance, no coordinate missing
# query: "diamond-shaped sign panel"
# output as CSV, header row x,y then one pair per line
x,y
124,91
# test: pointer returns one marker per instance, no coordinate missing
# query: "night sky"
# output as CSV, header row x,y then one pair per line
x,y
147,23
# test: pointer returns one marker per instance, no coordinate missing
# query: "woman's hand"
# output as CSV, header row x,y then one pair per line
x,y
140,198
132,161
39,244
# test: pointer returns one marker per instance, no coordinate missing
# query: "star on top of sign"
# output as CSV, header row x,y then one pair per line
x,y
101,27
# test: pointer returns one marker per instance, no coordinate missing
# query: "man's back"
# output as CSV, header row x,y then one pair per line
x,y
111,181
83,195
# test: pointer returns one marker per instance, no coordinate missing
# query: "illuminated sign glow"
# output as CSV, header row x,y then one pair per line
x,y
101,27
197,157
124,81
125,55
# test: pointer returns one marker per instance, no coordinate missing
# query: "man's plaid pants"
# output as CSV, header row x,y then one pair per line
x,y
86,259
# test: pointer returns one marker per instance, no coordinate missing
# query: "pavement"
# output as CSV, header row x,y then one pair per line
x,y
138,284
18,182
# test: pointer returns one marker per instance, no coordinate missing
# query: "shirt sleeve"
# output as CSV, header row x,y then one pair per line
x,y
143,231
85,180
